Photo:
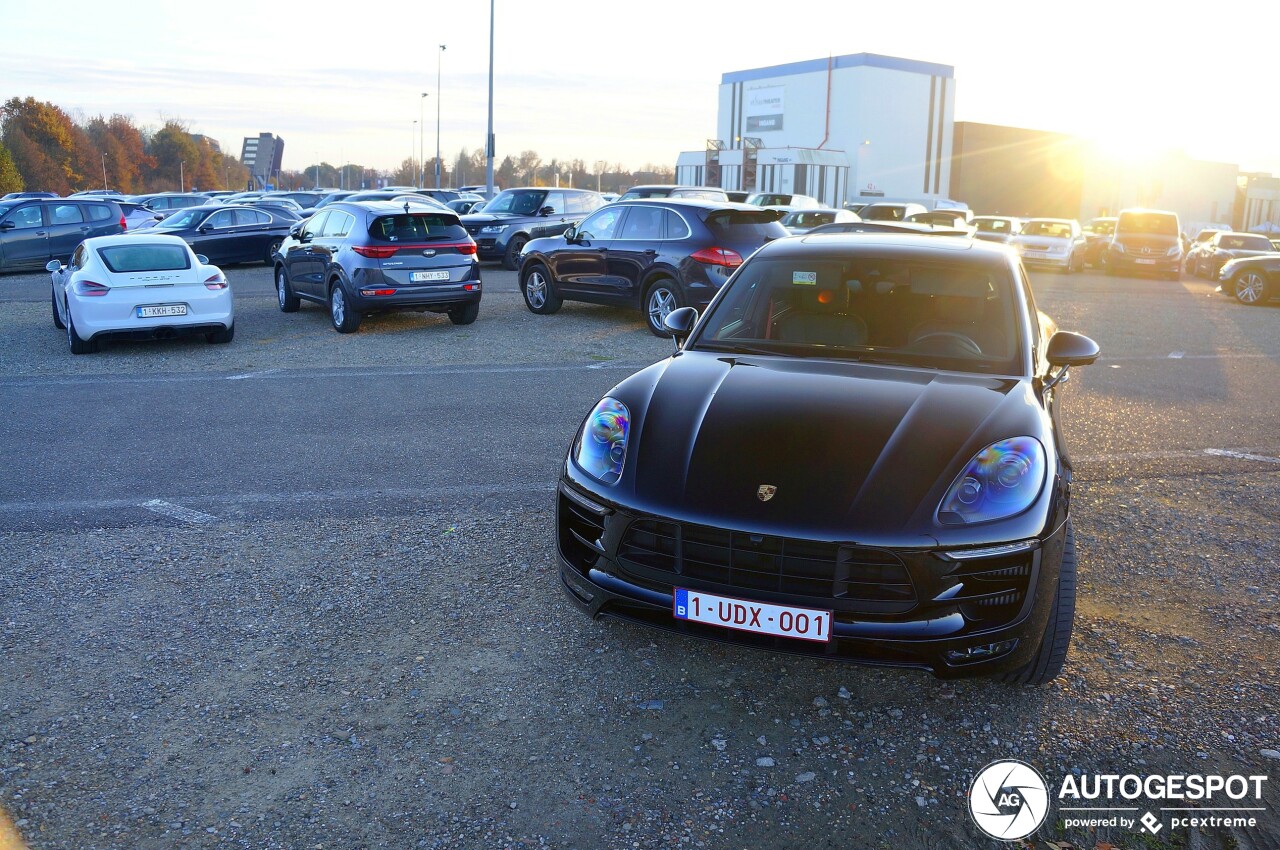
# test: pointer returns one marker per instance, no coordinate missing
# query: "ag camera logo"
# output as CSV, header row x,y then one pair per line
x,y
1009,800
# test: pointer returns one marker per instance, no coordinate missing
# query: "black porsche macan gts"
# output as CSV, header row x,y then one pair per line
x,y
854,454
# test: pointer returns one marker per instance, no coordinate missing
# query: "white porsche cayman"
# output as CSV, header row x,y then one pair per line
x,y
139,286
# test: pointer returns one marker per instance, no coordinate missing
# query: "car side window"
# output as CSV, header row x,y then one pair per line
x,y
249,217
99,212
577,204
77,258
555,200
219,220
315,225
675,226
644,224
336,226
602,225
66,214
346,222
26,217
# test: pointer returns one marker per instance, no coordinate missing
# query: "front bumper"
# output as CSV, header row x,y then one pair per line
x,y
901,608
1140,263
1055,261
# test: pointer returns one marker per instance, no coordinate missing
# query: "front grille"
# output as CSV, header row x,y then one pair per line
x,y
992,587
672,553
579,531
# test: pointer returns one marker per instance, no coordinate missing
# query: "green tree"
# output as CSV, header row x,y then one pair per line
x,y
10,179
176,155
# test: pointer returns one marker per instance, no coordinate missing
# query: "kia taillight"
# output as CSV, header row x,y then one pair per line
x,y
124,225
467,248
376,252
718,257
91,289
371,293
216,282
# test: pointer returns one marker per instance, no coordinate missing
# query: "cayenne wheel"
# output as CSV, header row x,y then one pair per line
x,y
74,342
345,319
284,292
659,300
1047,663
539,293
221,337
465,314
270,258
53,304
1250,287
511,259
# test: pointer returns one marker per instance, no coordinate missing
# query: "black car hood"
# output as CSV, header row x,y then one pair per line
x,y
856,451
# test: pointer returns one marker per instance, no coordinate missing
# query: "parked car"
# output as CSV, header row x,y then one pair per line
x,y
784,201
482,191
136,216
16,196
1054,242
34,231
1227,246
515,216
365,258
399,196
802,221
668,190
1097,235
1145,241
1251,280
830,466
163,201
139,286
304,200
463,206
655,255
950,218
996,228
890,211
232,233
331,198
740,197
886,227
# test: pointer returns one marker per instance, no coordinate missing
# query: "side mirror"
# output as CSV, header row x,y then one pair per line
x,y
204,228
7,225
680,323
1069,349
53,266
295,231
202,259
547,211
571,236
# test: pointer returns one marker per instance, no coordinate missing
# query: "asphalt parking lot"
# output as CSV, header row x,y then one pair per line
x,y
300,591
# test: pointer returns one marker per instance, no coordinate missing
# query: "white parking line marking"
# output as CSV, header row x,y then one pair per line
x,y
1176,355
251,374
1242,455
178,512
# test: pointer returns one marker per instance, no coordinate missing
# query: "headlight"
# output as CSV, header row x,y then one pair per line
x,y
1117,247
1175,251
493,228
1001,481
602,446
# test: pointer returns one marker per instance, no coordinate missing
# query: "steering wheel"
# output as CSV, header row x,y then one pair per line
x,y
947,343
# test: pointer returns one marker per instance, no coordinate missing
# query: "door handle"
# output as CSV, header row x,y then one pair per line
x,y
650,251
41,233
85,229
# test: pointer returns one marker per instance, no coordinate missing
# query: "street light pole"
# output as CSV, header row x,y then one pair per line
x,y
489,141
439,57
413,127
422,154
104,171
182,180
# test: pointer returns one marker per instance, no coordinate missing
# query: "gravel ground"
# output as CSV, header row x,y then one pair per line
x,y
413,677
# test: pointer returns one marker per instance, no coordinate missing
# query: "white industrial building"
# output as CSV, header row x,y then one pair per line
x,y
844,128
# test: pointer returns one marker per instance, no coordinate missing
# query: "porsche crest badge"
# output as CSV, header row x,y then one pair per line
x,y
765,492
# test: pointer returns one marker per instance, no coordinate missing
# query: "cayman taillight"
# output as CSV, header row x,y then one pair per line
x,y
718,257
216,282
91,289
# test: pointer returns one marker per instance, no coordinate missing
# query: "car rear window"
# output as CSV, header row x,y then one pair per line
x,y
123,259
745,224
99,212
416,227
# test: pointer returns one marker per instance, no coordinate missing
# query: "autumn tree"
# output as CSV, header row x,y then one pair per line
x,y
121,149
175,152
406,174
10,178
47,148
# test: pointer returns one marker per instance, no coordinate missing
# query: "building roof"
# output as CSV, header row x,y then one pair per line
x,y
851,60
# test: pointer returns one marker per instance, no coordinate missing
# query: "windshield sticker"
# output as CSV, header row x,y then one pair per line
x,y
805,278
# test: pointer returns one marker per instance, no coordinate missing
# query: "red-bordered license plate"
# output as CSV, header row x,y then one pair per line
x,y
747,615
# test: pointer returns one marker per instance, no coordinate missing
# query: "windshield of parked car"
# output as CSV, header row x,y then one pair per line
x,y
125,259
807,219
770,200
656,192
1155,224
1102,228
1244,243
417,227
935,313
993,225
188,217
1052,229
884,212
517,202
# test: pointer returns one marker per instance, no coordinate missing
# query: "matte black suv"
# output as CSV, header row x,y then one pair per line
x,y
379,257
34,231
515,216
656,255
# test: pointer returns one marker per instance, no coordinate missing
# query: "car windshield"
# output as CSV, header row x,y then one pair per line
x,y
1245,243
1052,229
1156,224
884,212
807,219
1102,228
124,259
993,225
416,227
930,313
516,203
188,217
771,200
632,194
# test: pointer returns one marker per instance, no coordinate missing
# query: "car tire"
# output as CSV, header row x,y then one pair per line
x,y
74,342
465,314
1051,655
284,292
345,319
270,258
1249,287
660,298
221,337
53,305
511,259
538,290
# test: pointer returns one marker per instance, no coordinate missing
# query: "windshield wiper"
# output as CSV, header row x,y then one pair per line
x,y
738,348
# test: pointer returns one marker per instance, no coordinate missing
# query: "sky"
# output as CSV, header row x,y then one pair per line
x,y
635,83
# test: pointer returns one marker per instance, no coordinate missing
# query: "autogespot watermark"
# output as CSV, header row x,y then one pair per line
x,y
1009,800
